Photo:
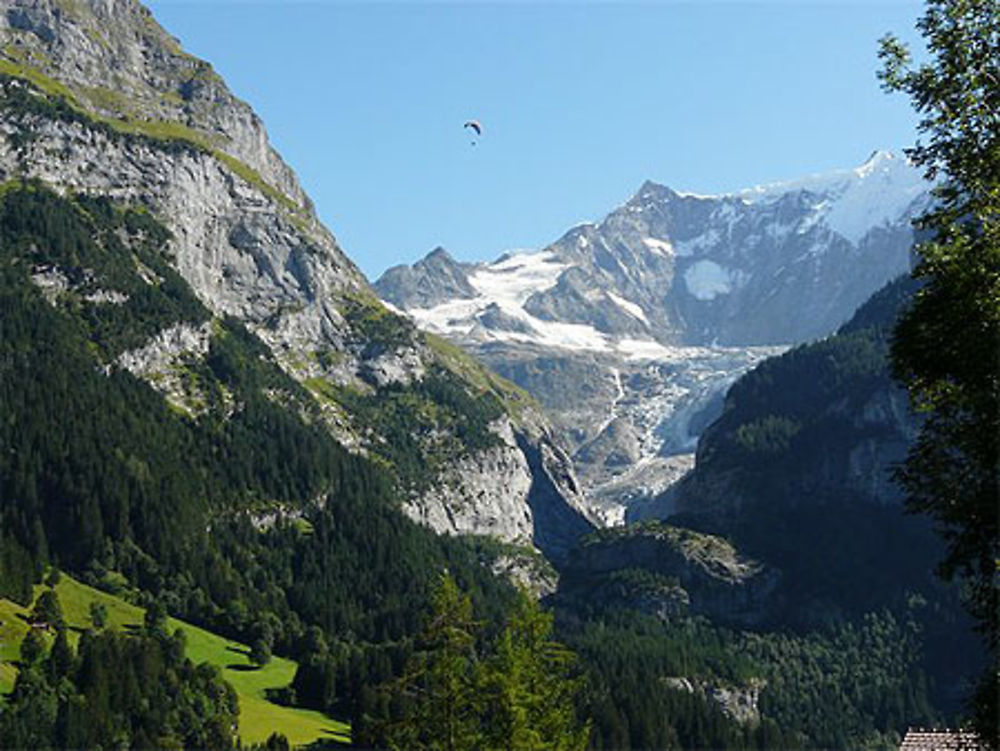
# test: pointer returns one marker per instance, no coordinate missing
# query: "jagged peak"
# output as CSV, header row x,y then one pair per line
x,y
652,190
438,255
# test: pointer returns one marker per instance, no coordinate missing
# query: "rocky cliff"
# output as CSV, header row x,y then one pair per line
x,y
797,472
98,99
669,571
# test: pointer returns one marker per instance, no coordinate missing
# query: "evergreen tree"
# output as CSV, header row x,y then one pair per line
x,y
47,610
155,618
437,687
260,653
528,687
947,346
98,614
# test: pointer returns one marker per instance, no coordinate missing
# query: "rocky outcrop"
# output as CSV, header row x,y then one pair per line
x,y
718,581
483,494
852,426
740,702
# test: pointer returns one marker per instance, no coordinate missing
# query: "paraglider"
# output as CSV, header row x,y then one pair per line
x,y
476,126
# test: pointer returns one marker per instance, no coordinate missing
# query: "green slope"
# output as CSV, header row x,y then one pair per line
x,y
258,716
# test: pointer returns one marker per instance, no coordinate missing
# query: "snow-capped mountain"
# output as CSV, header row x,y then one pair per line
x,y
629,329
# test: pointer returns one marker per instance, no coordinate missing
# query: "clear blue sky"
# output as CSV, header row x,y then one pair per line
x,y
581,103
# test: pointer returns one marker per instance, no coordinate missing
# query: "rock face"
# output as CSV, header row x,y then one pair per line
x,y
630,330
96,98
709,576
824,421
740,702
797,471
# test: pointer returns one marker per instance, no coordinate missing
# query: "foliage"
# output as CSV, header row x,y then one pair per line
x,y
260,653
785,442
118,691
48,611
98,615
529,686
519,692
857,684
95,468
946,348
424,425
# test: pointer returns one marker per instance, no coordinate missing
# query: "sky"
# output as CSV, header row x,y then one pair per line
x,y
581,102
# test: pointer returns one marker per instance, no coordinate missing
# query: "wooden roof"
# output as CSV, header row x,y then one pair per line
x,y
921,739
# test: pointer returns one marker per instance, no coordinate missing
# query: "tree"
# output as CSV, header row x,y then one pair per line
x,y
436,693
155,619
98,614
530,688
47,610
518,696
32,648
260,652
946,347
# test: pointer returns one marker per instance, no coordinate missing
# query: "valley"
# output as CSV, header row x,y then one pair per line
x,y
637,488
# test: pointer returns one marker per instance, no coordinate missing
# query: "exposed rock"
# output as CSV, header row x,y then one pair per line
x,y
150,126
483,494
719,582
435,278
741,703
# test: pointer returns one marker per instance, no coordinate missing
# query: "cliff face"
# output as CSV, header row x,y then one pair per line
x,y
669,571
824,422
98,99
797,472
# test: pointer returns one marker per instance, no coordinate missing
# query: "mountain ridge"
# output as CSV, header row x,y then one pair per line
x,y
630,329
174,141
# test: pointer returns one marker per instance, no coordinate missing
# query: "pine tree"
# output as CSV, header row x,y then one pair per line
x,y
436,692
47,610
529,687
946,348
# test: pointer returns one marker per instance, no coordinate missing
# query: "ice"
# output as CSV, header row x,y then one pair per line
x,y
629,307
706,280
659,247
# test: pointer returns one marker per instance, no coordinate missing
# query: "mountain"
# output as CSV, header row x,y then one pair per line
x,y
790,523
797,474
630,330
98,100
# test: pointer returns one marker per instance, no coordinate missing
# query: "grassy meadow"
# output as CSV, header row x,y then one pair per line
x,y
258,716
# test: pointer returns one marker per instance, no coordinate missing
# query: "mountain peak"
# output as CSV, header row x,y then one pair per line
x,y
652,190
439,255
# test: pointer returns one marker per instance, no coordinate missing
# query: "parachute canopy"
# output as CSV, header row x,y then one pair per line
x,y
475,125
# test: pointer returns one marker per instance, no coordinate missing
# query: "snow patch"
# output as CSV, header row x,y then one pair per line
x,y
629,307
513,280
706,280
658,247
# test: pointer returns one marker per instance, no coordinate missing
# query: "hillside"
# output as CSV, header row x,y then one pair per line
x,y
258,716
98,100
783,573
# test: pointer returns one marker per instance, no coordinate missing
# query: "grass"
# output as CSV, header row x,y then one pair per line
x,y
258,716
158,130
462,364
